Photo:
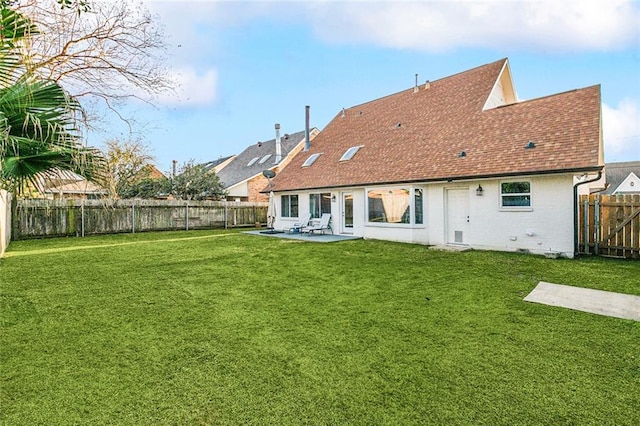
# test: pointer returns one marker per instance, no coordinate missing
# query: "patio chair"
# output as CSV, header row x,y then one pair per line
x,y
300,226
323,225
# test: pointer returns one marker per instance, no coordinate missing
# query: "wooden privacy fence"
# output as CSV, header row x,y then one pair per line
x,y
55,218
609,225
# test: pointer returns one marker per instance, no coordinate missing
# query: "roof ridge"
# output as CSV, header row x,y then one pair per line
x,y
546,96
431,81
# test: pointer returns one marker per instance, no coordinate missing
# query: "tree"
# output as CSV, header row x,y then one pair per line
x,y
147,187
195,182
128,162
110,52
37,118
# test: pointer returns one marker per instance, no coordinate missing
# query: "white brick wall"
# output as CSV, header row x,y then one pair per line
x,y
545,227
5,220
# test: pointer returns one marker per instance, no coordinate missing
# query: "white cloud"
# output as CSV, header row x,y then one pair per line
x,y
194,89
557,25
442,25
621,131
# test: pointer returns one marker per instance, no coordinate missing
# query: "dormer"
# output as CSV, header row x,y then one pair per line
x,y
503,92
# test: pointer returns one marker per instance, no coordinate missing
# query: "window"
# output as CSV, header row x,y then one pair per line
x,y
289,205
319,204
253,161
312,158
264,159
418,206
389,205
350,153
514,195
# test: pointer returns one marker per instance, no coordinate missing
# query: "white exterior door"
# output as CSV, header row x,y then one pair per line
x,y
347,213
457,216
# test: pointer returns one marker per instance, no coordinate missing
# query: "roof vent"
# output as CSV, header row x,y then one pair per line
x,y
343,113
398,125
415,88
530,145
462,154
427,85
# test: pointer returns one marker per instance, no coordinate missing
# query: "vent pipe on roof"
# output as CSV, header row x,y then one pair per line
x,y
307,141
278,144
427,85
415,88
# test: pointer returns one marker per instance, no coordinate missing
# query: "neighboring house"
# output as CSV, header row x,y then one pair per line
x,y
622,178
243,177
64,184
457,161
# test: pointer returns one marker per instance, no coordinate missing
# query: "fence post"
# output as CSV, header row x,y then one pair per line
x,y
82,218
186,220
133,218
585,225
225,214
596,225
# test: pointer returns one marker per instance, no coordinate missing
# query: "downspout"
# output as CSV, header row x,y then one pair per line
x,y
576,210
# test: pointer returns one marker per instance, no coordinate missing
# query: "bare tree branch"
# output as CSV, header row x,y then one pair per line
x,y
110,52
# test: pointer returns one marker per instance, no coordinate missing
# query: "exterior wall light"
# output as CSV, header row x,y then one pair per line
x,y
479,191
333,198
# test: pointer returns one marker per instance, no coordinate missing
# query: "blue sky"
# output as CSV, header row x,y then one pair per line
x,y
244,66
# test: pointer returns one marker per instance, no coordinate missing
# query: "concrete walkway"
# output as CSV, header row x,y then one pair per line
x,y
599,302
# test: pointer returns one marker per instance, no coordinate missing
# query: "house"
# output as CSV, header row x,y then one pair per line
x,y
243,176
622,178
458,161
64,184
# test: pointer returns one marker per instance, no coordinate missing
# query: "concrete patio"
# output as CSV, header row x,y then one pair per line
x,y
303,236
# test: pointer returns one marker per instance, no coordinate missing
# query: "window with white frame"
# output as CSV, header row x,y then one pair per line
x,y
319,204
418,206
289,205
515,195
388,205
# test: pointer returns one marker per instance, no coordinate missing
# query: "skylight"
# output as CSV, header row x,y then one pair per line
x,y
350,153
265,158
253,161
312,158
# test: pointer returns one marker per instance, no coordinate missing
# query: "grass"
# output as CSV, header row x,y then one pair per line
x,y
225,328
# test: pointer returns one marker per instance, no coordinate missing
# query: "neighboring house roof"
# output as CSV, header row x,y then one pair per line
x,y
154,172
219,164
249,163
626,173
66,182
457,127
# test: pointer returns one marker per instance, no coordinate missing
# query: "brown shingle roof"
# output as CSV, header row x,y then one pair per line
x,y
419,136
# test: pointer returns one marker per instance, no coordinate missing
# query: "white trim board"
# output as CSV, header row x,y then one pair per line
x,y
626,306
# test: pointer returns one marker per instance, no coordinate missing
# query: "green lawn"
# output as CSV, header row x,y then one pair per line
x,y
226,328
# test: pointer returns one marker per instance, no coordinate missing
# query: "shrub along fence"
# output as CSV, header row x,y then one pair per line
x,y
609,225
55,218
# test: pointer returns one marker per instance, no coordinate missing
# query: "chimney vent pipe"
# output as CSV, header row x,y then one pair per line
x,y
278,145
307,141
